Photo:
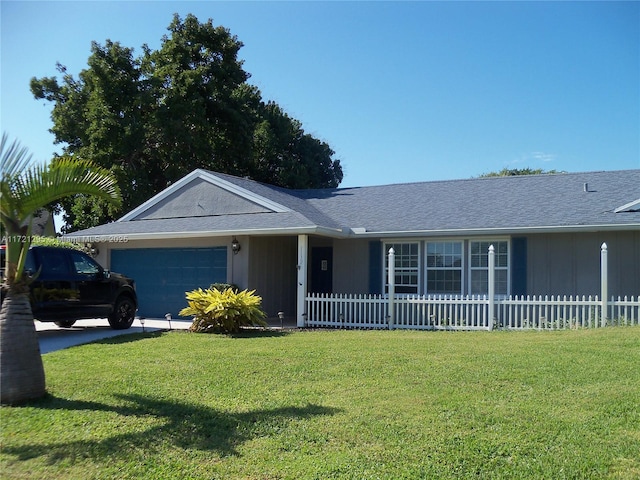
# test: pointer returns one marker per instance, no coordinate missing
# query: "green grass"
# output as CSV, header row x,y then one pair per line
x,y
335,404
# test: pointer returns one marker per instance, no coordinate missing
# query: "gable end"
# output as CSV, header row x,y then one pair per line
x,y
200,199
202,194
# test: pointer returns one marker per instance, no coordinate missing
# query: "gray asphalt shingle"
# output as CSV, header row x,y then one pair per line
x,y
504,203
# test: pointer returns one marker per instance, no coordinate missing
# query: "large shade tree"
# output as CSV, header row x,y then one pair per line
x,y
155,117
25,188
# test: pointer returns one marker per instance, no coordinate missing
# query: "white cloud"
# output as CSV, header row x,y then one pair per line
x,y
532,158
542,156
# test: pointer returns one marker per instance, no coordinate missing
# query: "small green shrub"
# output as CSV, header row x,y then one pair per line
x,y
223,311
223,286
54,242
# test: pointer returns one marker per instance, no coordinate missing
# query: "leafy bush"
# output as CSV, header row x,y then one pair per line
x,y
223,286
223,311
54,242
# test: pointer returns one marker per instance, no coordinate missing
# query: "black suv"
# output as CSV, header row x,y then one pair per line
x,y
69,285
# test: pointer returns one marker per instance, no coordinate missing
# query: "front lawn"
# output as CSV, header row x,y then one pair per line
x,y
335,404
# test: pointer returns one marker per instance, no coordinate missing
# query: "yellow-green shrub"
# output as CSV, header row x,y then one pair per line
x,y
223,311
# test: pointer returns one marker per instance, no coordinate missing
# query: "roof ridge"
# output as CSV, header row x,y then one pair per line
x,y
495,178
445,180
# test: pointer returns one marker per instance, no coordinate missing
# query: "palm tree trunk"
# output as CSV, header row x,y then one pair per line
x,y
21,369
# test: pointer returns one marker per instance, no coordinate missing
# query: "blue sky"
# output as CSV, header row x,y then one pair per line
x,y
402,91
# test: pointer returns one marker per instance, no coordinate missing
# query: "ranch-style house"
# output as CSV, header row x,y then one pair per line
x,y
295,247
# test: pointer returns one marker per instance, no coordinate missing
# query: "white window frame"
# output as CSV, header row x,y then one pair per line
x,y
506,269
461,268
467,268
399,270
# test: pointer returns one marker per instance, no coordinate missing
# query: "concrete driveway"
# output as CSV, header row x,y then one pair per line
x,y
54,338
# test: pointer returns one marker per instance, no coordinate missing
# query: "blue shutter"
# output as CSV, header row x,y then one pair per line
x,y
375,267
519,266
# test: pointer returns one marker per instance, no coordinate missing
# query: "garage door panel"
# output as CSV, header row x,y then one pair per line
x,y
163,275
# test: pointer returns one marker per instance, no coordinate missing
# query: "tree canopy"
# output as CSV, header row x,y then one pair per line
x,y
153,118
512,172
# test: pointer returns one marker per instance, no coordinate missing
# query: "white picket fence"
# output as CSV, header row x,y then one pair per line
x,y
567,312
468,312
485,312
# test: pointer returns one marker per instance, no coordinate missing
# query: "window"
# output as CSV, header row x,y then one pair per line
x,y
448,267
479,266
29,264
444,268
407,259
83,264
54,263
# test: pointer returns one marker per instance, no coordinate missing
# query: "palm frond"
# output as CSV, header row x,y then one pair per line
x,y
14,158
25,187
41,185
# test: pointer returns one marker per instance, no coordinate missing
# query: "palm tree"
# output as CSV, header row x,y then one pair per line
x,y
25,188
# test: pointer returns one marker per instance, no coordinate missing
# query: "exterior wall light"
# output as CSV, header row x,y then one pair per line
x,y
235,246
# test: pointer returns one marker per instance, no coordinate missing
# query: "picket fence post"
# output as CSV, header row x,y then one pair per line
x,y
392,287
604,283
492,285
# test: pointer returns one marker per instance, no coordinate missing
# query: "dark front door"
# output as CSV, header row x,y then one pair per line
x,y
321,269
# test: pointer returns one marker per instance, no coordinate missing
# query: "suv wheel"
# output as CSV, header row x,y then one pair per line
x,y
123,314
65,323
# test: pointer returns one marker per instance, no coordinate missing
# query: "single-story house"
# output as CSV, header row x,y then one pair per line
x,y
209,227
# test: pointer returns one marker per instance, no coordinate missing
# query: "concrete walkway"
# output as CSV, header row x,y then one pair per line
x,y
54,338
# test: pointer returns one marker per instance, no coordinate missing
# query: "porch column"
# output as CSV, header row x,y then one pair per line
x,y
303,254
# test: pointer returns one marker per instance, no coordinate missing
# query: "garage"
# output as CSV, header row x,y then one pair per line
x,y
163,275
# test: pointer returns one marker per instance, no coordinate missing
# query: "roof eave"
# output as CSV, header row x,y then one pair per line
x,y
123,238
494,231
351,233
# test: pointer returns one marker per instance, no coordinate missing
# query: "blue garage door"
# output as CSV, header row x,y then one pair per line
x,y
163,275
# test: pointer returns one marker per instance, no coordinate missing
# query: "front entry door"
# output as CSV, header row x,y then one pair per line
x,y
321,269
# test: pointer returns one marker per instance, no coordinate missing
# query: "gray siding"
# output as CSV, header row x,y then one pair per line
x,y
557,264
569,264
273,273
351,266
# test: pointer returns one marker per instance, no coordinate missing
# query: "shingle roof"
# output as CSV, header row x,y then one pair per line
x,y
506,204
558,200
